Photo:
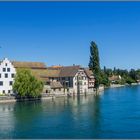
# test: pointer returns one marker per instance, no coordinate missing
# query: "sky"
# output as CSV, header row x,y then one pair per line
x,y
60,32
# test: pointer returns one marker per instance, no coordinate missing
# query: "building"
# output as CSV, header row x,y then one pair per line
x,y
115,79
71,79
74,79
7,73
57,79
91,79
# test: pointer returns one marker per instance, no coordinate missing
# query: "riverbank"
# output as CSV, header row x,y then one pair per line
x,y
116,86
7,99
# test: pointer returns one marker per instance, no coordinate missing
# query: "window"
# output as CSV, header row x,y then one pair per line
x,y
4,69
59,89
6,75
0,75
8,69
5,64
11,83
9,91
47,83
63,78
85,83
12,75
1,83
3,91
75,83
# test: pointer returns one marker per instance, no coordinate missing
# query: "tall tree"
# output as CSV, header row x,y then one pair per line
x,y
94,63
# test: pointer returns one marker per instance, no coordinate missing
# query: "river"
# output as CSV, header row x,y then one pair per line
x,y
113,114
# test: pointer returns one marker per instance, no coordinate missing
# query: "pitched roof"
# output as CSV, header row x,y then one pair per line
x,y
53,73
45,73
115,78
56,67
55,84
69,71
32,65
88,72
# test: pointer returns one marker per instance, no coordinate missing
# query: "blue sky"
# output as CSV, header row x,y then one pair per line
x,y
61,32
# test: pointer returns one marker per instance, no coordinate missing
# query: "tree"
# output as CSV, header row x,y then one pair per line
x,y
104,79
94,63
26,85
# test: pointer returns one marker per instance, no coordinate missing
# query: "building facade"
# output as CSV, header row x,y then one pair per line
x,y
7,73
61,79
75,79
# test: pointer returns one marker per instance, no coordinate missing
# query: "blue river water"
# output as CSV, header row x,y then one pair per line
x,y
113,114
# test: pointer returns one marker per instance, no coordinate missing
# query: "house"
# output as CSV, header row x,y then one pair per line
x,y
57,79
91,79
74,79
115,79
7,73
50,78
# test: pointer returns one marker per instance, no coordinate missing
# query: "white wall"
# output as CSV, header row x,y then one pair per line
x,y
83,79
6,81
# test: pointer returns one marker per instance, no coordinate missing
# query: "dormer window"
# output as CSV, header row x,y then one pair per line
x,y
5,64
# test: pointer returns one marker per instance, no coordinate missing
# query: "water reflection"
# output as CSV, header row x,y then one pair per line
x,y
96,116
78,117
6,120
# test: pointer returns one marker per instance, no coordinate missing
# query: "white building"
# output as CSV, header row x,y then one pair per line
x,y
80,82
74,79
7,73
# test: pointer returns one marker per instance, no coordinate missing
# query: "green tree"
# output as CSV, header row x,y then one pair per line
x,y
26,85
94,63
104,79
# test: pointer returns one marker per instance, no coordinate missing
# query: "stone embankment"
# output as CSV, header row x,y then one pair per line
x,y
6,99
116,85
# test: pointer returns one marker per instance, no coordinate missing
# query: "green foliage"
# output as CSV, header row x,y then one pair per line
x,y
101,76
128,77
26,85
129,80
94,63
104,79
122,81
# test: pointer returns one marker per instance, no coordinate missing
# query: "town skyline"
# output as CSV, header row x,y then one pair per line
x,y
60,32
